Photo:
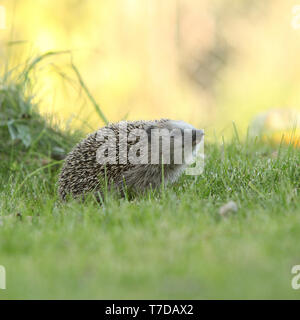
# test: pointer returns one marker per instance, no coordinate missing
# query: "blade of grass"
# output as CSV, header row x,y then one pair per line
x,y
36,171
236,132
88,93
40,58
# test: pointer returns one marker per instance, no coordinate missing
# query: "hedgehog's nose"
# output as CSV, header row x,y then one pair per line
x,y
197,136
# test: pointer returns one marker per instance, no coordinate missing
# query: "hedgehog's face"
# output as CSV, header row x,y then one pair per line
x,y
177,141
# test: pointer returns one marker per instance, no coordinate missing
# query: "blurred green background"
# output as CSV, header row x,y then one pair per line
x,y
207,62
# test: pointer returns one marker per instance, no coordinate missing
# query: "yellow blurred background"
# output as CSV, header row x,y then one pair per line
x,y
207,62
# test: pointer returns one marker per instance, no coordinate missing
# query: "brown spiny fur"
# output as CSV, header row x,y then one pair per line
x,y
81,173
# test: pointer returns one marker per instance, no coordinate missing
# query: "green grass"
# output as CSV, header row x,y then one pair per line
x,y
170,245
175,246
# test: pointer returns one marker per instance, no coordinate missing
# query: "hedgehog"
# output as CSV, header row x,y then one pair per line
x,y
129,156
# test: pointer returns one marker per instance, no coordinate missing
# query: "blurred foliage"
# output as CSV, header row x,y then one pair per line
x,y
24,132
205,62
278,126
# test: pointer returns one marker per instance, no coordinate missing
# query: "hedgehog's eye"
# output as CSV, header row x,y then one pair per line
x,y
194,135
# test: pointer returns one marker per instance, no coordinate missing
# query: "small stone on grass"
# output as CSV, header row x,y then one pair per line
x,y
229,207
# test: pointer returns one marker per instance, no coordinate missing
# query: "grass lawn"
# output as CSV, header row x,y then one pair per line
x,y
172,244
169,244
